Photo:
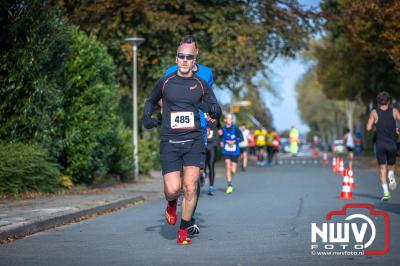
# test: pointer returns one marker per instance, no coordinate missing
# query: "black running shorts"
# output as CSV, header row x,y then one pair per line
x,y
178,153
233,158
243,149
386,153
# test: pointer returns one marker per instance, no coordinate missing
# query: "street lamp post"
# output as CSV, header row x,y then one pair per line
x,y
135,42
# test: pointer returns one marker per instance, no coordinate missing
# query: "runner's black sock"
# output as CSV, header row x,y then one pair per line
x,y
184,224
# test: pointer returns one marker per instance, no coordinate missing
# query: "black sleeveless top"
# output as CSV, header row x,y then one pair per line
x,y
386,126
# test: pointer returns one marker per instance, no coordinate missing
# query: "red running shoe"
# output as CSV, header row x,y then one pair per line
x,y
170,214
183,238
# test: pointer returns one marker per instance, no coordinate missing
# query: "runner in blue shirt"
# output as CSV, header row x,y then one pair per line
x,y
231,136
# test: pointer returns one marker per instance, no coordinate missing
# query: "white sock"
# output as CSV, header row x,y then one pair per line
x,y
391,173
385,188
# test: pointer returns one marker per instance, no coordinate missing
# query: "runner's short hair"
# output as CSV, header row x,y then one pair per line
x,y
189,39
383,98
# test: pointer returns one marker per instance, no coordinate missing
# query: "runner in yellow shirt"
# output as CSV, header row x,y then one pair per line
x,y
294,141
260,136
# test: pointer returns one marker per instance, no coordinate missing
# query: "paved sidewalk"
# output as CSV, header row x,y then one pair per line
x,y
28,216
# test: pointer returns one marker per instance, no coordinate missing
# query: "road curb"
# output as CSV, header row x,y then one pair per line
x,y
48,223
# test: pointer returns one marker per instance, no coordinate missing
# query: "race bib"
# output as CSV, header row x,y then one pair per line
x,y
182,120
230,147
261,138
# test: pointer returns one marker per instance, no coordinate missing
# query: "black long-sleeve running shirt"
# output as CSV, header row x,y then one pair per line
x,y
182,97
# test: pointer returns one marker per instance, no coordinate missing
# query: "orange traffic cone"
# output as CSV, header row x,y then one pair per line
x,y
351,178
325,159
334,162
346,188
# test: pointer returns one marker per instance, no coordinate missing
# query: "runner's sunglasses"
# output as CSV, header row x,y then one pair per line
x,y
185,56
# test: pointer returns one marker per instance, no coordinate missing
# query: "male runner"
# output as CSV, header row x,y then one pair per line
x,y
244,146
384,118
350,145
231,136
261,137
276,145
252,146
204,73
211,153
182,145
294,141
270,145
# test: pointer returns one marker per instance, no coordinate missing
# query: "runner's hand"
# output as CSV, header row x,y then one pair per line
x,y
210,109
210,119
149,122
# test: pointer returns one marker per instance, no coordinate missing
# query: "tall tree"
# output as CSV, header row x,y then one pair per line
x,y
324,115
237,38
360,55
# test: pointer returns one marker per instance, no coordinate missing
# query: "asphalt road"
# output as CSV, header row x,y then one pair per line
x,y
266,221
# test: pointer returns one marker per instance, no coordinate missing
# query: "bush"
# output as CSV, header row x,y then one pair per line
x,y
122,158
149,154
26,168
58,90
92,126
34,44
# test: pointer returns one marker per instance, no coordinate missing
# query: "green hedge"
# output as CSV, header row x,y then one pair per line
x,y
26,168
149,154
93,131
34,45
58,90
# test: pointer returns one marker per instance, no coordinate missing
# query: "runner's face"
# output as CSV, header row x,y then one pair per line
x,y
228,120
185,58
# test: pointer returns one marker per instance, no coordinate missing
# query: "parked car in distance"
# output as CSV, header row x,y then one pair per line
x,y
285,145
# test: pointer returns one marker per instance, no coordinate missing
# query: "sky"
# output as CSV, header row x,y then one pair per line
x,y
285,74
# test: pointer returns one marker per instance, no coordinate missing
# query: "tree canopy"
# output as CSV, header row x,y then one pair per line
x,y
236,38
360,53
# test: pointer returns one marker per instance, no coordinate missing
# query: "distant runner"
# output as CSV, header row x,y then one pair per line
x,y
244,146
211,153
260,136
231,136
294,141
350,145
384,118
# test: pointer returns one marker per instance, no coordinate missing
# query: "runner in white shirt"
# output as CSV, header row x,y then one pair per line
x,y
244,146
349,142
